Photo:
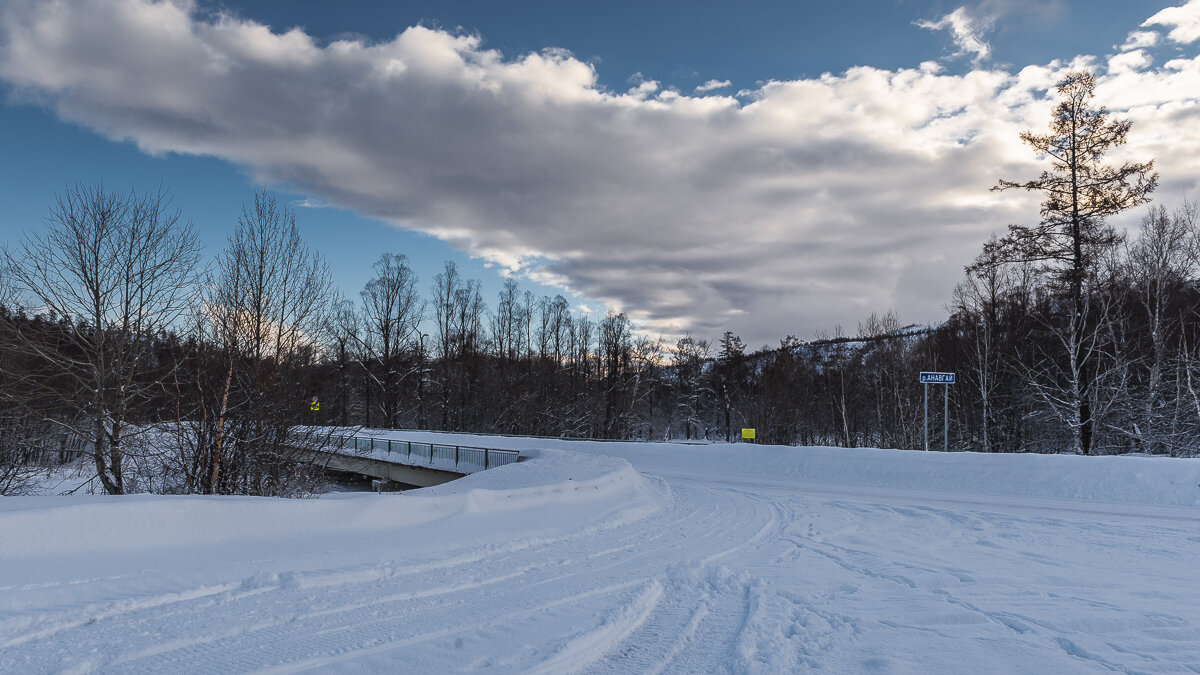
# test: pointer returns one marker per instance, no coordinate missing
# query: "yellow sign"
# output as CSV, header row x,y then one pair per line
x,y
314,405
748,433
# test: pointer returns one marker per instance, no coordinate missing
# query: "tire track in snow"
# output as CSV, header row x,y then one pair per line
x,y
585,648
291,645
356,612
700,602
231,592
95,613
877,576
628,565
1035,629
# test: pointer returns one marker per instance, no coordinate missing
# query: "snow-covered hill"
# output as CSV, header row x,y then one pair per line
x,y
629,557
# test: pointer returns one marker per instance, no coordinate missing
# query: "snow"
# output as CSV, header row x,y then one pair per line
x,y
1109,479
628,557
75,476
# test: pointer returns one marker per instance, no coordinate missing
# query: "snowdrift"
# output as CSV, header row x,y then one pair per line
x,y
550,489
1151,481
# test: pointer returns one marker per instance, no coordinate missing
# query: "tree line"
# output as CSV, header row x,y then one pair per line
x,y
120,343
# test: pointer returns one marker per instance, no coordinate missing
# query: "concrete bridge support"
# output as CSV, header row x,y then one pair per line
x,y
379,469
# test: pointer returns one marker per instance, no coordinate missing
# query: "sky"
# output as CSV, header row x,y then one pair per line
x,y
766,168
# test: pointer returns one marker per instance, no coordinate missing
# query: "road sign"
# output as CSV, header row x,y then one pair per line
x,y
314,405
748,433
928,378
937,378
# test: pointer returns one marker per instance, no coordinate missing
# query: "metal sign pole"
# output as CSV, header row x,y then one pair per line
x,y
926,417
946,421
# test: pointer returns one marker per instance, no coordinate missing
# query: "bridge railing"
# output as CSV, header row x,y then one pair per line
x,y
464,458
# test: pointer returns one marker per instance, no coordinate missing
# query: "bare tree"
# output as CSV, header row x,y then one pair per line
x,y
615,346
458,312
506,336
122,266
267,302
392,311
646,358
884,364
18,432
977,300
9,296
469,312
689,359
1158,265
344,335
447,285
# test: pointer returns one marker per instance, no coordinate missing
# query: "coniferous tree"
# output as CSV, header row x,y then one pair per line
x,y
1081,191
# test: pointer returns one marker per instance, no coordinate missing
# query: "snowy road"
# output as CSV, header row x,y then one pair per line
x,y
574,561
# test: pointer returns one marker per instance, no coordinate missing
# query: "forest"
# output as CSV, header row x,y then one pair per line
x,y
120,343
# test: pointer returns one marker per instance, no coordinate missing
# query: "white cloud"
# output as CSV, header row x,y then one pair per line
x,y
644,89
1138,59
966,30
712,85
1183,22
810,203
1140,39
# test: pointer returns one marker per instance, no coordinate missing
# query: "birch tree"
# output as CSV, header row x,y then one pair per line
x,y
121,267
1159,264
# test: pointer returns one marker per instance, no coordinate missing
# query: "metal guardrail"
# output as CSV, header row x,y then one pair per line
x,y
587,439
462,456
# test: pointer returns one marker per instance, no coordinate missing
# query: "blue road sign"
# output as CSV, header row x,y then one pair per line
x,y
937,378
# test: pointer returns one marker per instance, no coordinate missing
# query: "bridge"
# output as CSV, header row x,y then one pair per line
x,y
407,462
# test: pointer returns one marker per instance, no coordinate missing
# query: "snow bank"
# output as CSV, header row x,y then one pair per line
x,y
547,478
553,488
1152,481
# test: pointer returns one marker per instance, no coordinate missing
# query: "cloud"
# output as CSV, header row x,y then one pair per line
x,y
712,85
808,203
310,203
1140,39
1137,59
967,31
1183,22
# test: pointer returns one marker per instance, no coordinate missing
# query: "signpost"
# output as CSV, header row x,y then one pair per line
x,y
748,434
928,378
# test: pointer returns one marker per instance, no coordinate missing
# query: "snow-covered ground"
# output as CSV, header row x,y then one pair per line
x,y
629,557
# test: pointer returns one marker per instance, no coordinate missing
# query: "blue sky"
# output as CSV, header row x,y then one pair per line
x,y
577,145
